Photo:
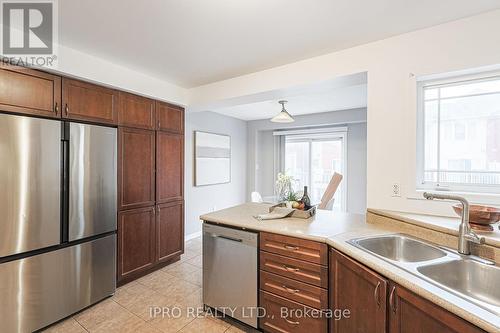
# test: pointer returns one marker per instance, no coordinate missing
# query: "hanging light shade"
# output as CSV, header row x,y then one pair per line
x,y
283,116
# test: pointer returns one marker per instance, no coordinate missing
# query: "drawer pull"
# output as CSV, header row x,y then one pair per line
x,y
291,322
291,269
290,247
290,290
376,294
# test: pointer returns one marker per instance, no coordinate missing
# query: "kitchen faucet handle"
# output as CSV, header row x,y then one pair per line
x,y
474,238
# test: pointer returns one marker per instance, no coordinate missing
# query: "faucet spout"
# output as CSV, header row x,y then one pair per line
x,y
465,233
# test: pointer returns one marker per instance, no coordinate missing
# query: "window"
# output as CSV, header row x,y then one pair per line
x,y
459,135
312,159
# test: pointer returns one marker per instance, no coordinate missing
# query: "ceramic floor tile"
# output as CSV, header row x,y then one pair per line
x,y
67,326
158,280
205,325
196,261
99,313
172,321
179,291
195,277
181,270
127,323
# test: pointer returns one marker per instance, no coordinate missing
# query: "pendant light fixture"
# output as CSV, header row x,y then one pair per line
x,y
283,116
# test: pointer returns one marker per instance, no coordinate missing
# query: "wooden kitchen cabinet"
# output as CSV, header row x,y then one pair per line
x,y
169,167
281,316
361,291
410,313
136,168
89,102
136,111
136,241
169,118
169,230
28,91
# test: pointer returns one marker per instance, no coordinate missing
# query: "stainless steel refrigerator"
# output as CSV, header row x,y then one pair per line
x,y
57,219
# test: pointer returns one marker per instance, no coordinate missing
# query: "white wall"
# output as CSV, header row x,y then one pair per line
x,y
392,65
261,166
204,199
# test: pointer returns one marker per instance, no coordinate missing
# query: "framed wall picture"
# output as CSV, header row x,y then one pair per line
x,y
212,155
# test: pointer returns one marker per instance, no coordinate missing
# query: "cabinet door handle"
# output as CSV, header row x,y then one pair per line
x,y
376,294
291,269
290,247
66,109
291,322
290,290
56,108
392,302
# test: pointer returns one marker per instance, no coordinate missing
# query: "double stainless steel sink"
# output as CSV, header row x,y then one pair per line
x,y
471,278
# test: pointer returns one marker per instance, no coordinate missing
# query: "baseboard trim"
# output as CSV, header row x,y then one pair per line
x,y
192,236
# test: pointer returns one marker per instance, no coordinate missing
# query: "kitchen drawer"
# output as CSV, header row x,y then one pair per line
x,y
274,322
295,269
296,291
295,247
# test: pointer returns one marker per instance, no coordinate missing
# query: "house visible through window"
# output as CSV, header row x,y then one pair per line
x,y
312,161
459,135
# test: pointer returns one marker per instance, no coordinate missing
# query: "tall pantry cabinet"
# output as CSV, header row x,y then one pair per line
x,y
150,185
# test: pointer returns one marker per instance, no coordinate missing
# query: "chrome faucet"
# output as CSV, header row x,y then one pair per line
x,y
465,233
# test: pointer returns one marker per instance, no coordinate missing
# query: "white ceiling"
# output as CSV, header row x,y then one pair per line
x,y
194,42
346,92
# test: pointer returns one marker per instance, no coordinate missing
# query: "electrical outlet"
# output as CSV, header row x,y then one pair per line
x,y
396,190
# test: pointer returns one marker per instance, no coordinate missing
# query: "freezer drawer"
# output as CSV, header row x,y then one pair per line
x,y
40,290
92,180
30,183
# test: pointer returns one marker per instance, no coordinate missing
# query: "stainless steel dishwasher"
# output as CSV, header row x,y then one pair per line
x,y
230,272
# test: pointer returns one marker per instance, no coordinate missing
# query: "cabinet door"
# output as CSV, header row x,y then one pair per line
x,y
170,118
86,101
136,168
169,166
360,290
136,111
169,230
410,313
24,90
136,241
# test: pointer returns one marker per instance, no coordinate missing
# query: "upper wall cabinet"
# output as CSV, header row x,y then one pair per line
x,y
86,101
169,118
136,111
29,91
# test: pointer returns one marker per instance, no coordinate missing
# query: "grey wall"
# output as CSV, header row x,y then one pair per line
x,y
204,199
261,166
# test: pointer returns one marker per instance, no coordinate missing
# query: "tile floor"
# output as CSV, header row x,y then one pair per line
x,y
177,285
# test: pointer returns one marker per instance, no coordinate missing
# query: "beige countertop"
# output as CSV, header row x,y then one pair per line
x,y
336,229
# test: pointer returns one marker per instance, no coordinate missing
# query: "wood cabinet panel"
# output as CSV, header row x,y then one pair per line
x,y
275,322
169,230
136,168
294,269
169,166
88,102
136,111
362,291
304,293
136,240
294,247
24,90
169,118
410,313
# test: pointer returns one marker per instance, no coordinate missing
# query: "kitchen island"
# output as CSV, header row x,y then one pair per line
x,y
310,264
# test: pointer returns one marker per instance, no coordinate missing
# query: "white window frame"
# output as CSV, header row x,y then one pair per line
x,y
320,134
421,185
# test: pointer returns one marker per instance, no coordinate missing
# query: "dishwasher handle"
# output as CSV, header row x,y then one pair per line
x,y
239,240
